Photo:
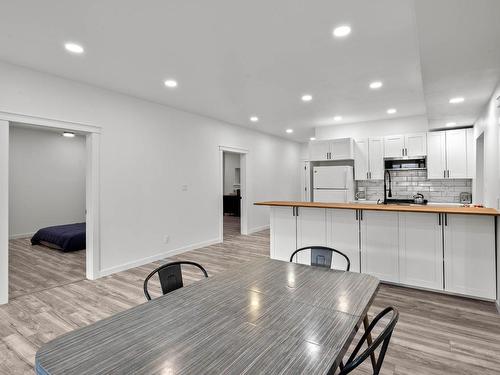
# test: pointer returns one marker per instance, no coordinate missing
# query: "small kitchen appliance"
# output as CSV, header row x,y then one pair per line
x,y
465,198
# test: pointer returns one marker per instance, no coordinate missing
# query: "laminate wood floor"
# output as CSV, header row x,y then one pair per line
x,y
436,334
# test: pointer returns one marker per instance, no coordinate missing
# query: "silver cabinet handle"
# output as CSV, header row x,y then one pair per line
x,y
444,174
439,219
367,176
448,173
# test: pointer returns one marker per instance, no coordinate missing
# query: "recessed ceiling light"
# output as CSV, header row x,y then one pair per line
x,y
289,131
458,99
254,119
341,31
68,134
391,111
171,83
376,85
312,138
73,48
449,124
337,118
307,98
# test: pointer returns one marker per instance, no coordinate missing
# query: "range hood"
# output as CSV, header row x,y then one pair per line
x,y
395,164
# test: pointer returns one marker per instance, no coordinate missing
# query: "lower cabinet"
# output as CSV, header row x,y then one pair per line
x,y
283,232
380,245
421,250
343,235
396,247
469,255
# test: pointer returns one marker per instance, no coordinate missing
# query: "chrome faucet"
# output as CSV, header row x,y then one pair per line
x,y
387,173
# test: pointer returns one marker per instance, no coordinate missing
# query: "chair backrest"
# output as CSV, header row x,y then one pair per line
x,y
383,338
321,256
170,276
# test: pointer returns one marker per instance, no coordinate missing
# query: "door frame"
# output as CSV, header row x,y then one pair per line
x,y
92,190
243,188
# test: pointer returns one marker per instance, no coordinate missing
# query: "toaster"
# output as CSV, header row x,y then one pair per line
x,y
465,198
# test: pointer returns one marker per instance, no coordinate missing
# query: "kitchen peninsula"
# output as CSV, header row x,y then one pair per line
x,y
445,248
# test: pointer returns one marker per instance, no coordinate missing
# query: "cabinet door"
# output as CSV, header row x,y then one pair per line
x,y
311,230
456,153
341,149
436,155
343,235
380,245
469,255
361,159
283,233
319,150
416,144
471,154
421,250
393,146
376,158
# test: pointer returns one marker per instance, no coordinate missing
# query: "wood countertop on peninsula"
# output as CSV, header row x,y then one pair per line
x,y
432,208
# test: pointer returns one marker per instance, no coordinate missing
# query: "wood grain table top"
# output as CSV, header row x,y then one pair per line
x,y
265,316
387,207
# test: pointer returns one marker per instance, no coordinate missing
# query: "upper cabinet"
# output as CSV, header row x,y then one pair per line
x,y
447,154
335,149
411,145
369,159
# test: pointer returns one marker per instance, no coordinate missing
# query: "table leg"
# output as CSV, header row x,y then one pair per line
x,y
369,341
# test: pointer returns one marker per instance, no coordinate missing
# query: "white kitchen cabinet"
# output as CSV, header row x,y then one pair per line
x,y
361,161
394,146
447,154
436,155
409,145
311,231
319,150
469,255
380,245
283,232
456,153
334,149
416,144
369,159
343,235
471,154
376,158
421,250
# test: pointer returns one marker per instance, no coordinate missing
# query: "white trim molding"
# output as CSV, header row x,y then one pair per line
x,y
48,122
258,229
4,212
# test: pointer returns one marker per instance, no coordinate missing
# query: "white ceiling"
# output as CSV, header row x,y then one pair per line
x,y
234,59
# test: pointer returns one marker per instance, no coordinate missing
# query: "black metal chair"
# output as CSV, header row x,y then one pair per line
x,y
383,338
170,275
321,256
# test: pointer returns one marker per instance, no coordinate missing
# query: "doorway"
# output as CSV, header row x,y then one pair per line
x,y
233,210
90,137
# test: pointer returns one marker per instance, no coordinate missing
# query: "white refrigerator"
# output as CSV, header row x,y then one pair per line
x,y
333,184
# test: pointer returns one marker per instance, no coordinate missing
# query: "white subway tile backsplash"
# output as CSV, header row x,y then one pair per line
x,y
405,184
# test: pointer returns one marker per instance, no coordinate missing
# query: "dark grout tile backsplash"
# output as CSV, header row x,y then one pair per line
x,y
405,184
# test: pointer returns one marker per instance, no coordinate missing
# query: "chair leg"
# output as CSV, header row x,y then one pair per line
x,y
369,341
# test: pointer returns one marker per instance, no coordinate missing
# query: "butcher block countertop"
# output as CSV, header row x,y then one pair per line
x,y
388,207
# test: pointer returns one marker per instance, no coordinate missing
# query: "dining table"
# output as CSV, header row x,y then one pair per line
x,y
261,316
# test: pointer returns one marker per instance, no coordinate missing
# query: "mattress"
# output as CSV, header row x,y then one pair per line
x,y
69,237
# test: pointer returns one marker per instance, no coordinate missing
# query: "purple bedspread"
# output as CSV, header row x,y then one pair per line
x,y
69,237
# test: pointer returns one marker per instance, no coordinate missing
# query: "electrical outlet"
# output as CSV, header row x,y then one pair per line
x,y
166,238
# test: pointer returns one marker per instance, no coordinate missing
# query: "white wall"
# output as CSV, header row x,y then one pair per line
x,y
148,151
403,125
231,162
489,124
46,180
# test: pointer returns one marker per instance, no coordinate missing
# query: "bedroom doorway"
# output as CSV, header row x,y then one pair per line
x,y
233,199
49,180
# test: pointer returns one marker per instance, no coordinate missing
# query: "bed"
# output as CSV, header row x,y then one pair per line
x,y
69,237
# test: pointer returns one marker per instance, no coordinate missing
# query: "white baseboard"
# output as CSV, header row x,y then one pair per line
x,y
258,229
498,306
154,258
18,236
